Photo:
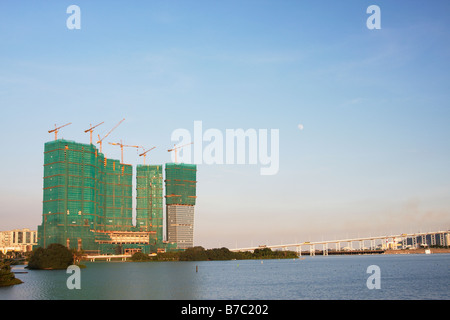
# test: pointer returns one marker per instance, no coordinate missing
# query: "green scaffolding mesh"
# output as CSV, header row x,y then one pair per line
x,y
70,174
181,183
149,201
117,186
86,197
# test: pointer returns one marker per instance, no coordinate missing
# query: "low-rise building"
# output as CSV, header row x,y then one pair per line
x,y
17,240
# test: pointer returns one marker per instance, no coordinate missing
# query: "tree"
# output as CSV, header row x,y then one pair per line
x,y
262,253
220,254
193,254
168,256
55,256
139,256
77,255
7,278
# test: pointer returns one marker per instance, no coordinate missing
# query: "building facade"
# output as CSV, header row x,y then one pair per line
x,y
180,225
17,240
87,202
149,201
181,185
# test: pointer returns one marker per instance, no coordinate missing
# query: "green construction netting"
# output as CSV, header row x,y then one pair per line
x,y
149,200
181,183
85,194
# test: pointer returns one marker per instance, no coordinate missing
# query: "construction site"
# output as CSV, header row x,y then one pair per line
x,y
88,200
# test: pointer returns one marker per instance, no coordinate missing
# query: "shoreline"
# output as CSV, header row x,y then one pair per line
x,y
417,251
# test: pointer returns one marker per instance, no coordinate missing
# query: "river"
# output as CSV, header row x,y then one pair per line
x,y
400,277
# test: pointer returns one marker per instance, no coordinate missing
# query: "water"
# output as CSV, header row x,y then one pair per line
x,y
314,278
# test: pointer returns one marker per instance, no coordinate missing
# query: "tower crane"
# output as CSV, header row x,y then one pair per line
x,y
92,129
145,153
57,129
101,140
175,149
121,148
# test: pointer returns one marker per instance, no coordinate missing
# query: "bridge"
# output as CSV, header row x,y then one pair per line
x,y
107,257
384,242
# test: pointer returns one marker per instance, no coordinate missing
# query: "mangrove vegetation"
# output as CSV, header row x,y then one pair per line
x,y
202,254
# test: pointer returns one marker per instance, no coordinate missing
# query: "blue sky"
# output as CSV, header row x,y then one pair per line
x,y
374,152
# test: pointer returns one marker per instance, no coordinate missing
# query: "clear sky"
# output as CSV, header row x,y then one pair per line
x,y
373,156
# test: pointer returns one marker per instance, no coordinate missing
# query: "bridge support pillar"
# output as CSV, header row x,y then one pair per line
x,y
312,250
372,244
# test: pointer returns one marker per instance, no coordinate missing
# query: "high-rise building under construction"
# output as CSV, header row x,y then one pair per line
x,y
149,201
181,180
87,201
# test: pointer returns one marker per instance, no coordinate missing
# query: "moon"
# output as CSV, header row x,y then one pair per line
x,y
300,126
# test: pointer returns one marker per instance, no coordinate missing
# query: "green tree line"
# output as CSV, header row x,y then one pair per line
x,y
7,277
55,256
202,254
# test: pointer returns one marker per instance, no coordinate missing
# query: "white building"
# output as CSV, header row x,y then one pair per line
x,y
17,240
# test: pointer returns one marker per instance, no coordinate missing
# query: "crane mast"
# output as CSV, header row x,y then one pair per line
x,y
57,129
175,149
145,153
90,131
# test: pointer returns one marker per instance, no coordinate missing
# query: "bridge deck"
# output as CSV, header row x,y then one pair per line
x,y
349,240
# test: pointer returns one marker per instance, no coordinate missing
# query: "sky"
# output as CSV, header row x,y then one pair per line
x,y
362,114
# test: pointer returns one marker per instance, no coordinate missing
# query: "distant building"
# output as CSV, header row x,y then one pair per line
x,y
181,185
433,239
18,240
